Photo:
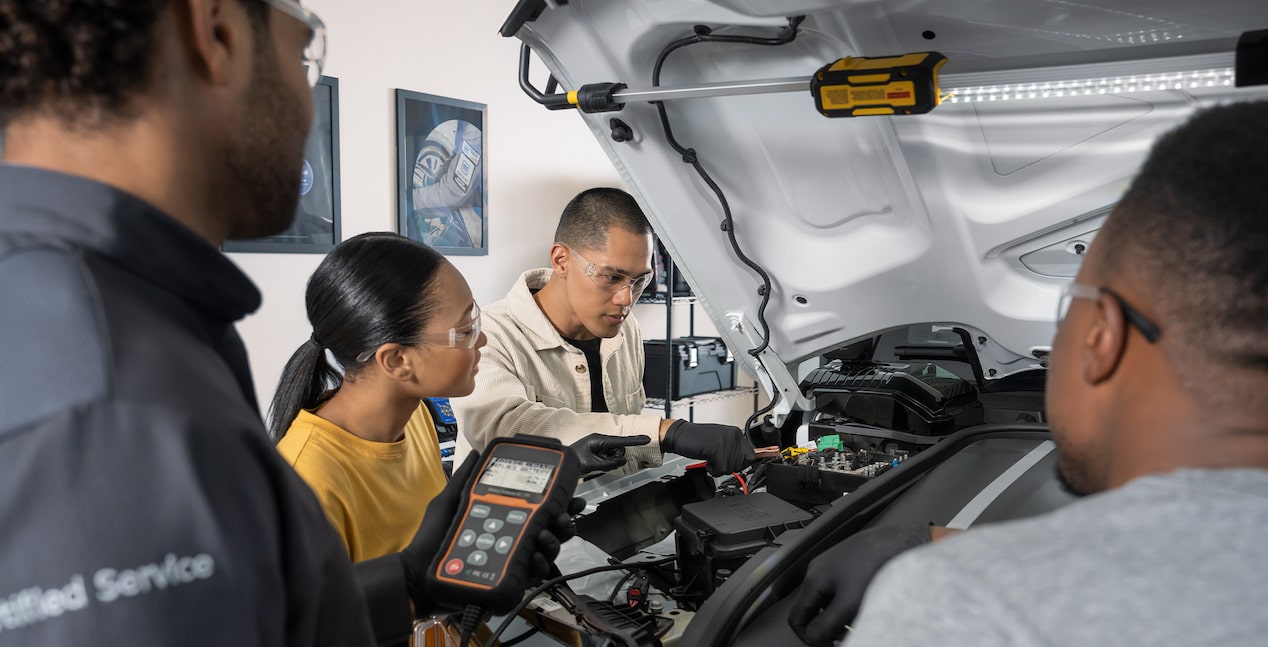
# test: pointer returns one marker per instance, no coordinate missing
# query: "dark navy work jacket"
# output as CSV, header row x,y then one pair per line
x,y
141,502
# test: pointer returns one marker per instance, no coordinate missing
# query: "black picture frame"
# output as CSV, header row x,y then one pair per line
x,y
317,227
441,179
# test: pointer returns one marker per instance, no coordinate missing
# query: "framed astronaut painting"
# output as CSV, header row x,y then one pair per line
x,y
316,228
440,179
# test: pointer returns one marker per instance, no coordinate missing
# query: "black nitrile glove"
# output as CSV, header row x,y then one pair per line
x,y
561,529
600,453
724,447
418,557
835,581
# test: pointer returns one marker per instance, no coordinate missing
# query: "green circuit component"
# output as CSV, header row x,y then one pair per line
x,y
831,441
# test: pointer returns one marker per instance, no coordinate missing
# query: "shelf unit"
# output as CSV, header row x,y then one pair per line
x,y
668,300
704,398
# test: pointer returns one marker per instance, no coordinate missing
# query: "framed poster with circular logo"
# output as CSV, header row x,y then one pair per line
x,y
316,228
441,190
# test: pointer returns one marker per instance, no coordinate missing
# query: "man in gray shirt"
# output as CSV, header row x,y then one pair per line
x,y
1158,401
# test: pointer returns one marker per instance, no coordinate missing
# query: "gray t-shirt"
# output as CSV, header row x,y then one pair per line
x,y
1174,559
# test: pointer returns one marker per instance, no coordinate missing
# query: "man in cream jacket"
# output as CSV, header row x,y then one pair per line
x,y
565,359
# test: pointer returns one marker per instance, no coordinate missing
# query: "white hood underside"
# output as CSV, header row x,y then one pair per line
x,y
971,215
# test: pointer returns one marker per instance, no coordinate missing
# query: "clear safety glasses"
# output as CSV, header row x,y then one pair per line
x,y
315,52
465,337
614,282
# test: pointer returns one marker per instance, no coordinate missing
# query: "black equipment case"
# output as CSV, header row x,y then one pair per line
x,y
700,364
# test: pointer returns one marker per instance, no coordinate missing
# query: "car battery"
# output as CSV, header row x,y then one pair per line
x,y
700,365
717,536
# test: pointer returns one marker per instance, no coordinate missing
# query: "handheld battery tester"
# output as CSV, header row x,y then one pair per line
x,y
522,483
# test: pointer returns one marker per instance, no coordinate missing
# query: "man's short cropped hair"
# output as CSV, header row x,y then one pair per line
x,y
588,217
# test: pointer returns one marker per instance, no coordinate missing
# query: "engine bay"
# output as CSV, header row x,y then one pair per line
x,y
888,276
655,547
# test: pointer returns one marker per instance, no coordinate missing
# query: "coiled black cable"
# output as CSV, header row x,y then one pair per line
x,y
528,597
471,617
705,35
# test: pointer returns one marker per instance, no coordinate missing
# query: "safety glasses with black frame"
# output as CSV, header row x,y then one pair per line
x,y
1134,317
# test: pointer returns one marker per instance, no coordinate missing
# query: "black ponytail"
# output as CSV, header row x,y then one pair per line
x,y
309,360
371,290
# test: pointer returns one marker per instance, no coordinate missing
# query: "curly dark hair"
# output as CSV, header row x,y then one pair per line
x,y
81,60
1193,228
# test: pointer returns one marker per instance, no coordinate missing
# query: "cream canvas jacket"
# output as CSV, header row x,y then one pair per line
x,y
533,382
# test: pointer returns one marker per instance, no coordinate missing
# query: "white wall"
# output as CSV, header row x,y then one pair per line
x,y
536,159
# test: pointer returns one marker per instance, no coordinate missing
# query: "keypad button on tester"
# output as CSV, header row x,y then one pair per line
x,y
503,545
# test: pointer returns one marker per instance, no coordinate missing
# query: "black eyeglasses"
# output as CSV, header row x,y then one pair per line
x,y
1092,292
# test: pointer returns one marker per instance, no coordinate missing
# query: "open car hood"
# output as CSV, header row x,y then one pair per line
x,y
972,215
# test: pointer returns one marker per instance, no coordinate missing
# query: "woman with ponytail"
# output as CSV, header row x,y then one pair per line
x,y
400,323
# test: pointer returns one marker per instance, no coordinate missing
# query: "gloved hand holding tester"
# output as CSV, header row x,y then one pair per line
x,y
442,512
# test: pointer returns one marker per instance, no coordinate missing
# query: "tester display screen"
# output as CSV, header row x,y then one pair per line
x,y
518,475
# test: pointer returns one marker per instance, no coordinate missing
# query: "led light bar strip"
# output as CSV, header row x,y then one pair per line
x,y
1190,72
1196,80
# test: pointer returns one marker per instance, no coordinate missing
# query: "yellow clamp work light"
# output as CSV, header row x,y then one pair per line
x,y
855,86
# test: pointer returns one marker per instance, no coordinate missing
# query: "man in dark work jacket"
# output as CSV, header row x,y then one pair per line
x,y
141,502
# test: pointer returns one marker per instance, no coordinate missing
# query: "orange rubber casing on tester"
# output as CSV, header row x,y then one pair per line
x,y
522,483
